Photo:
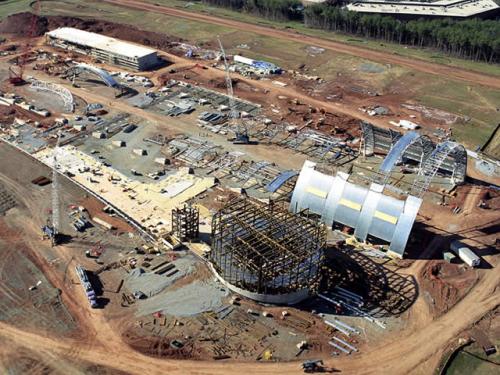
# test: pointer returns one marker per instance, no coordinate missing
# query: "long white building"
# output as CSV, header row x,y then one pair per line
x,y
420,8
104,48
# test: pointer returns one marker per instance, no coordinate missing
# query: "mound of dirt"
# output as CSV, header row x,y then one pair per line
x,y
444,284
24,24
19,24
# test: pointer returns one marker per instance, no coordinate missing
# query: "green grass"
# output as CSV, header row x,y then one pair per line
x,y
285,53
466,364
422,54
478,103
474,101
9,7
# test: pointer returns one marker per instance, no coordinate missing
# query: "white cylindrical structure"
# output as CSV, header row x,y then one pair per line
x,y
339,347
346,344
333,325
466,254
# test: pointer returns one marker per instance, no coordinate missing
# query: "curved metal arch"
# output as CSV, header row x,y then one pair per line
x,y
62,92
103,75
401,147
439,156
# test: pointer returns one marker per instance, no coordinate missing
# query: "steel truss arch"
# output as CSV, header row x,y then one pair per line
x,y
401,147
442,153
62,92
103,75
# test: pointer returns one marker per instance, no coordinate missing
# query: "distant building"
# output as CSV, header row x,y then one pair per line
x,y
421,8
106,49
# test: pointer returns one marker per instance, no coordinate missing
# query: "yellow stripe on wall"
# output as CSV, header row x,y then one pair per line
x,y
350,204
319,193
389,218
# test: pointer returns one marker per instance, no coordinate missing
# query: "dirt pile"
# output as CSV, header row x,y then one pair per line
x,y
24,24
444,284
19,24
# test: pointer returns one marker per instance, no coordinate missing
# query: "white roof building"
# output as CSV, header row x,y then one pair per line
x,y
109,49
442,8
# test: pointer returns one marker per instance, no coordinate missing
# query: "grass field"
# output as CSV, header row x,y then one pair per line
x,y
423,54
474,101
8,7
472,360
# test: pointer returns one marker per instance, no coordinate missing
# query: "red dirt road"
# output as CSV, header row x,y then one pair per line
x,y
415,350
414,64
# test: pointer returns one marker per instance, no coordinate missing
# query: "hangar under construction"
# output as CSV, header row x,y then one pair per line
x,y
106,49
266,253
368,210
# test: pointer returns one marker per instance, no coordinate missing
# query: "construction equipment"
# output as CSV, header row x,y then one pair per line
x,y
16,76
241,132
95,251
312,365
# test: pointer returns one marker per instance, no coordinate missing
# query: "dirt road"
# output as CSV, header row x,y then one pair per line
x,y
414,64
415,350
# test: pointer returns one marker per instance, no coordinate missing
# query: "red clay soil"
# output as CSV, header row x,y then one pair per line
x,y
293,112
94,208
9,113
16,24
444,284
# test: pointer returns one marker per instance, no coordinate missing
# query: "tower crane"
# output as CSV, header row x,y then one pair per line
x,y
240,133
51,229
55,192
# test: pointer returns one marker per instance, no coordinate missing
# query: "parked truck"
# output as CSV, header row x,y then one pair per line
x,y
87,286
466,254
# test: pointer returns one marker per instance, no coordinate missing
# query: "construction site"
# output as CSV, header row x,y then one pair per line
x,y
167,207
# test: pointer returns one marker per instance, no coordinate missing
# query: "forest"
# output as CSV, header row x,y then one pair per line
x,y
474,39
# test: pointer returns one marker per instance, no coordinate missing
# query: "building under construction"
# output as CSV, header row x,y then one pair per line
x,y
186,222
109,50
266,253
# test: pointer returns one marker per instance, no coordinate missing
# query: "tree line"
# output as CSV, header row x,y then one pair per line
x,y
277,10
474,39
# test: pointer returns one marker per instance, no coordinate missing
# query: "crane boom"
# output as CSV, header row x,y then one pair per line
x,y
233,115
240,131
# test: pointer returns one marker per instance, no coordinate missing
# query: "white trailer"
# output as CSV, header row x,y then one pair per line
x,y
243,60
466,254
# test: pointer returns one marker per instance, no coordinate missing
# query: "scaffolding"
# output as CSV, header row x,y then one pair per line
x,y
264,249
186,222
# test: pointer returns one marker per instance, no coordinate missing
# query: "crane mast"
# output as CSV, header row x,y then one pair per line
x,y
241,135
55,191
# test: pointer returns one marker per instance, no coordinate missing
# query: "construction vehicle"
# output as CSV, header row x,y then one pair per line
x,y
240,133
16,76
313,365
95,252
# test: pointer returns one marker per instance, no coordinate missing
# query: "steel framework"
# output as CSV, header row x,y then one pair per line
x,y
186,222
62,92
386,140
103,75
399,149
430,167
263,249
